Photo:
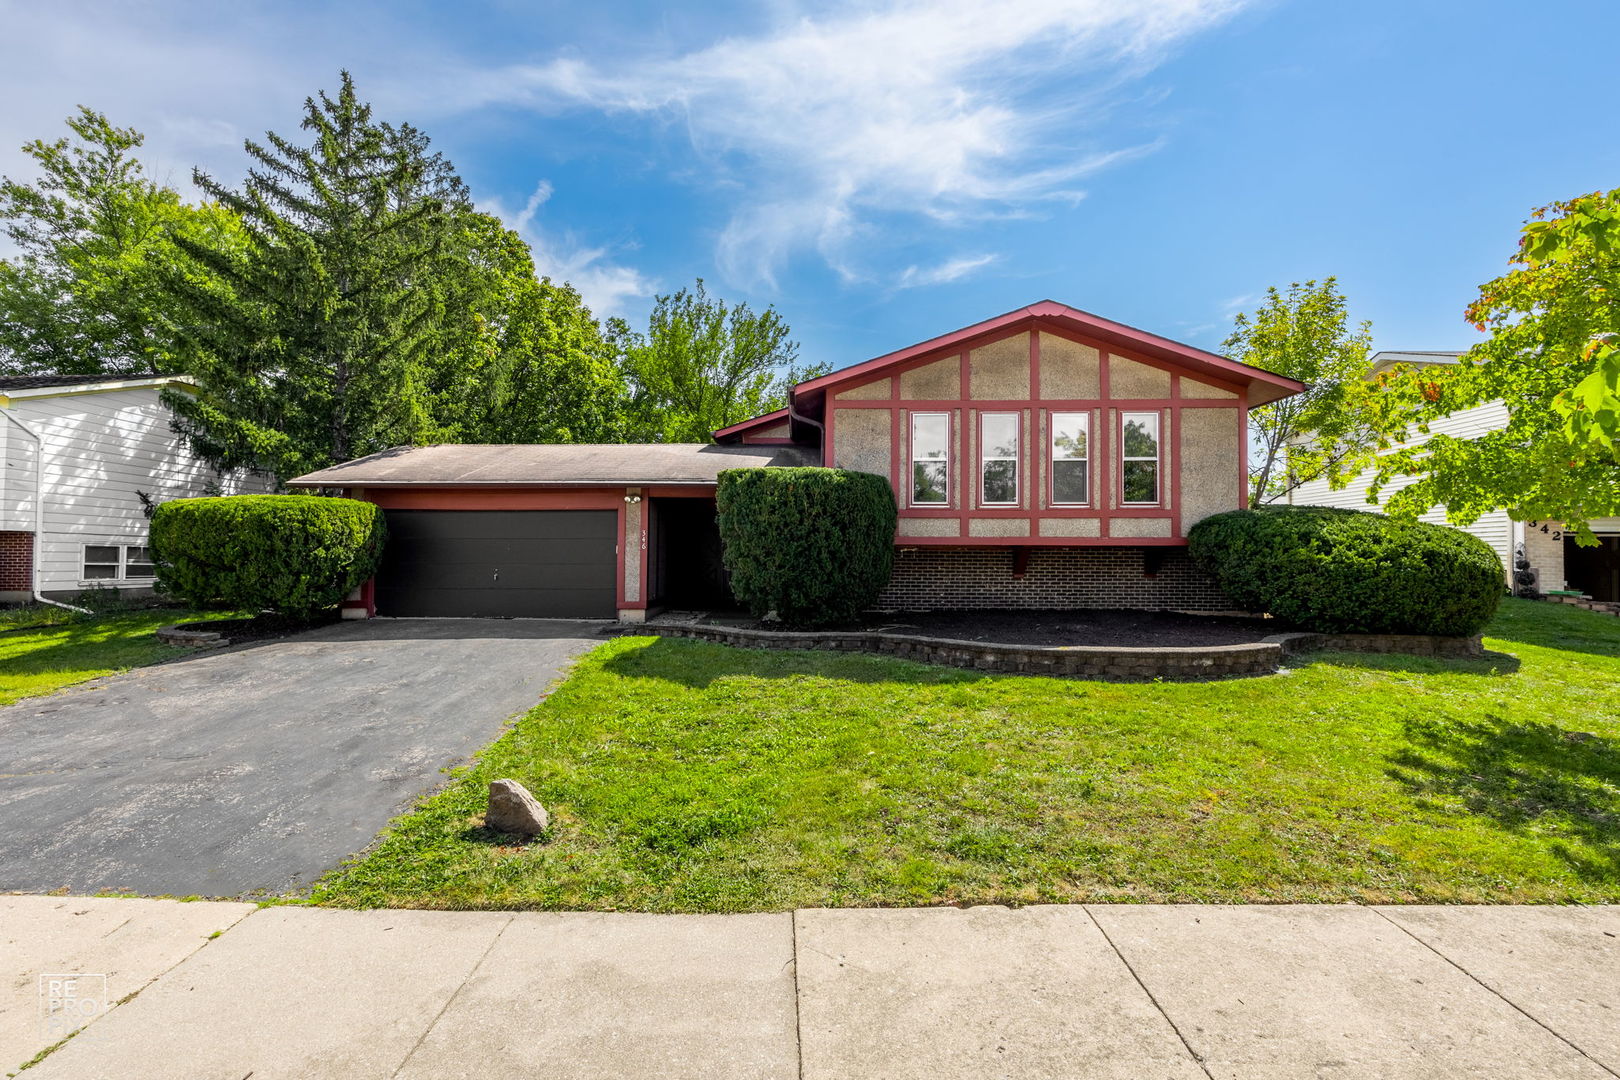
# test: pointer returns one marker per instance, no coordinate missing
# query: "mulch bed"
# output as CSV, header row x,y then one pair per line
x,y
258,628
1146,629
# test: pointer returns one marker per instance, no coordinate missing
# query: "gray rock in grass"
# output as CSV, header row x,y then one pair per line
x,y
513,810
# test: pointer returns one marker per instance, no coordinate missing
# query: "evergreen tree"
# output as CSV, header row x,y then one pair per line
x,y
312,342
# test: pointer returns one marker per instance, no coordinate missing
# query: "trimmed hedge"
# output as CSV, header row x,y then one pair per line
x,y
296,554
1349,571
814,546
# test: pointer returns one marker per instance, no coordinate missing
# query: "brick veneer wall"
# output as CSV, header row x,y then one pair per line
x,y
16,561
931,579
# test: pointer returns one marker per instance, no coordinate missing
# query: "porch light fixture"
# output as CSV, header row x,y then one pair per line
x,y
632,499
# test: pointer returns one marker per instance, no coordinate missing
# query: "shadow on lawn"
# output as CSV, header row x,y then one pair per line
x,y
1525,776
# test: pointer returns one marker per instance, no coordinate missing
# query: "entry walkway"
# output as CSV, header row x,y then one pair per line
x,y
1074,992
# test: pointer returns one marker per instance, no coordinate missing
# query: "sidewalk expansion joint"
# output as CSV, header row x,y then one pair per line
x,y
451,1000
1515,1006
1194,1054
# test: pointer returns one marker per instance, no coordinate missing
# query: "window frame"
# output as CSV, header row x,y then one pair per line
x,y
1157,459
121,572
1084,417
1016,459
912,461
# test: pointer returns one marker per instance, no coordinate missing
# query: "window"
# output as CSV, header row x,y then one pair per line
x,y
998,459
930,459
101,563
1139,446
138,562
1071,464
111,562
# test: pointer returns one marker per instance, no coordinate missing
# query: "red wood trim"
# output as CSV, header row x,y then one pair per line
x,y
1059,512
487,499
1035,363
1080,323
671,492
1060,404
1040,541
899,473
1243,450
619,551
763,420
1175,463
1103,491
829,415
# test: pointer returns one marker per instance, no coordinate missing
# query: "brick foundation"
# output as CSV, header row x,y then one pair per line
x,y
934,579
16,561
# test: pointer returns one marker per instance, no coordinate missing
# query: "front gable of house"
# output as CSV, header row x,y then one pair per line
x,y
1038,433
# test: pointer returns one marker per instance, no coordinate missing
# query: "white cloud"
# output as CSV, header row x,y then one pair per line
x,y
608,287
945,272
944,109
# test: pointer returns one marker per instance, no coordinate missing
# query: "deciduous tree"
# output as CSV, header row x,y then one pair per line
x,y
1553,356
1305,334
94,237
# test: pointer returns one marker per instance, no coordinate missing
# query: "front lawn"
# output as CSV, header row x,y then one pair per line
x,y
38,660
684,776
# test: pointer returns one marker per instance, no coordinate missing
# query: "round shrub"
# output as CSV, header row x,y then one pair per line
x,y
814,546
296,554
1349,571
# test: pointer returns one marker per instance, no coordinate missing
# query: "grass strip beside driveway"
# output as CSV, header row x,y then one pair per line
x,y
40,660
687,776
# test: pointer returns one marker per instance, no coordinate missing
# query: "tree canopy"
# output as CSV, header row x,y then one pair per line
x,y
703,365
94,239
1553,356
1305,334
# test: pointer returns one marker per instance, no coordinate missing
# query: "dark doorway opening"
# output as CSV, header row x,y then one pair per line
x,y
688,571
1594,570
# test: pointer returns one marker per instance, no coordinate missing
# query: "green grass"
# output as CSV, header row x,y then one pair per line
x,y
685,776
79,647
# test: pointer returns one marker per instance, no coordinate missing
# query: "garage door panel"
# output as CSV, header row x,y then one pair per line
x,y
500,563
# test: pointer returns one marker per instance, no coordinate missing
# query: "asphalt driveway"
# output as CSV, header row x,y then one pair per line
x,y
255,769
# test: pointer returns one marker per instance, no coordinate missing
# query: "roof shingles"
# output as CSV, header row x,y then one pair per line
x,y
552,464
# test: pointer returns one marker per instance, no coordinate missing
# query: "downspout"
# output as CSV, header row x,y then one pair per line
x,y
39,514
821,429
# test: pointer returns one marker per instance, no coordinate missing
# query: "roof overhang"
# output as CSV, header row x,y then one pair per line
x,y
98,386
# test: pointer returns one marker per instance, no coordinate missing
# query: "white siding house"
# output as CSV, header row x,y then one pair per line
x,y
78,456
1543,543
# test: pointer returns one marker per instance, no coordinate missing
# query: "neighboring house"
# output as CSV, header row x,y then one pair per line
x,y
79,454
1046,458
1555,559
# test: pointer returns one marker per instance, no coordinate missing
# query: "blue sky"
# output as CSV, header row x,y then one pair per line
x,y
884,172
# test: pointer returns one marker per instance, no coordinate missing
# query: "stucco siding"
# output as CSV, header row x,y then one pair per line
x,y
1192,388
938,381
998,527
930,526
1130,379
1070,527
1209,464
1139,528
876,390
863,440
1069,369
774,431
1000,370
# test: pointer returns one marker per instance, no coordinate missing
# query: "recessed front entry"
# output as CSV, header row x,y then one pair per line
x,y
556,564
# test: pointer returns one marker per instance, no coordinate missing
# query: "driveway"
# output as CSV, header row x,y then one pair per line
x,y
255,769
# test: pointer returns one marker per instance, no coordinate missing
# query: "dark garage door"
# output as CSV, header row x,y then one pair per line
x,y
499,563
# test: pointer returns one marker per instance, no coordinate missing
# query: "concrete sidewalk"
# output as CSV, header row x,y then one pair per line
x,y
1085,991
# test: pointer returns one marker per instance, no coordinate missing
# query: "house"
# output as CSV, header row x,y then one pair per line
x,y
1554,559
84,458
1045,458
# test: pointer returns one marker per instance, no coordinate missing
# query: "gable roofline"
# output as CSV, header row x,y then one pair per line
x,y
1270,386
744,426
94,384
